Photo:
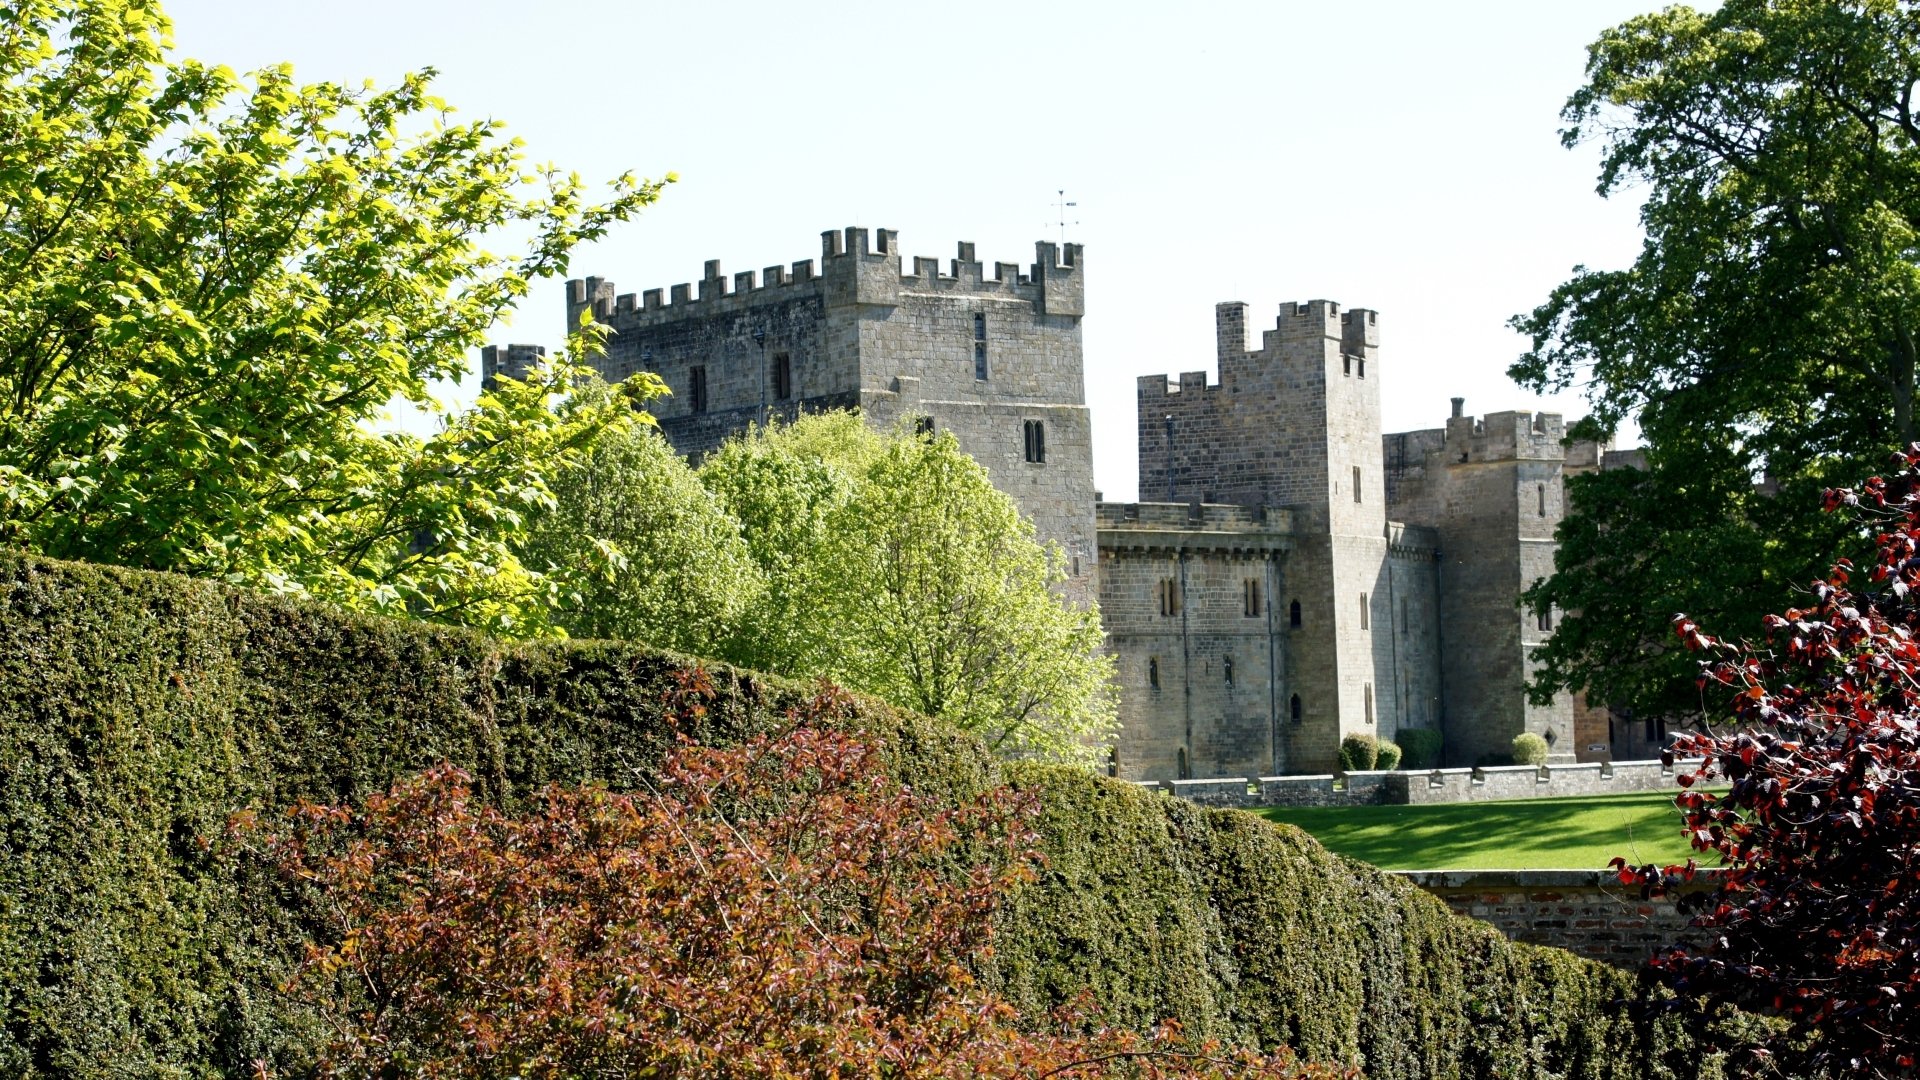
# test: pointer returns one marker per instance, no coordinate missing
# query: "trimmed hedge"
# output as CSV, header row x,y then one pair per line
x,y
137,711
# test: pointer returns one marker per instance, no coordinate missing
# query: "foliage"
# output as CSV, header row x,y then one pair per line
x,y
1817,916
138,710
1389,756
896,568
657,557
783,907
209,290
1359,752
1420,747
1767,328
1530,749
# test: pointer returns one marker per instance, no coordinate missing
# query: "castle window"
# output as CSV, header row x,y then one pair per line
x,y
1362,364
1037,442
1294,712
1364,607
1542,492
1346,364
979,326
1356,483
782,376
980,360
923,425
1113,762
697,387
1153,672
1544,619
1293,616
1185,773
1366,695
1250,598
1226,668
1169,597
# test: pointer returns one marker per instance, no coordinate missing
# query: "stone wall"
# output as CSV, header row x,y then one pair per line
x,y
1377,788
1583,911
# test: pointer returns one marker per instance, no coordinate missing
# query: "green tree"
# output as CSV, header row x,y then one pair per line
x,y
211,289
655,555
1765,330
895,567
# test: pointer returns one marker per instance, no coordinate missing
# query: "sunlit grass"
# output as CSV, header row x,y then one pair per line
x,y
1514,834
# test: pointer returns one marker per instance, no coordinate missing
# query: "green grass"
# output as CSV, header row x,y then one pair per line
x,y
1514,834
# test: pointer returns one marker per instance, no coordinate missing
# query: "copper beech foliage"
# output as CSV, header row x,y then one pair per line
x,y
1816,917
782,908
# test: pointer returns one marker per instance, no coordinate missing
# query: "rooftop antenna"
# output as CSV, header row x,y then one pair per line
x,y
1061,206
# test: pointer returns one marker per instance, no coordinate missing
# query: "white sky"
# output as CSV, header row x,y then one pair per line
x,y
1402,156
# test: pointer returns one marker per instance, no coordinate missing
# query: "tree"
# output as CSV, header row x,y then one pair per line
x,y
1817,917
778,909
1765,330
210,290
656,556
896,568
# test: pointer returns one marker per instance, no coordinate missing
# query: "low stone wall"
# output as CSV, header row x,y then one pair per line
x,y
1583,911
1432,786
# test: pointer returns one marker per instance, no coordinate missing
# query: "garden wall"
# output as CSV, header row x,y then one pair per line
x,y
138,711
1432,786
1584,911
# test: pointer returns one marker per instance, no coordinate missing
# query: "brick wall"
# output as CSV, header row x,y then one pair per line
x,y
1583,911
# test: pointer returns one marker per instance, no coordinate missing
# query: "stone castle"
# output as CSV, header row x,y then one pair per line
x,y
1297,576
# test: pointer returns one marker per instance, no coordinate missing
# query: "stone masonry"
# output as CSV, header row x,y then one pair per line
x,y
1293,576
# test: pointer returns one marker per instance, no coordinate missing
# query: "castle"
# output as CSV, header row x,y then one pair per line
x,y
1297,576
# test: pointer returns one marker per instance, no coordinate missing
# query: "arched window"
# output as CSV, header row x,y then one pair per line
x,y
1226,666
1153,672
1293,708
1293,613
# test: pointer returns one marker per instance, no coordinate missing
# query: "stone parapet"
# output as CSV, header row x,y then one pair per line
x,y
1376,788
1583,911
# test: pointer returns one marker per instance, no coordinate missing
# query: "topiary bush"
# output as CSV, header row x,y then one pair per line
x,y
1420,747
1529,749
1389,757
138,711
1359,752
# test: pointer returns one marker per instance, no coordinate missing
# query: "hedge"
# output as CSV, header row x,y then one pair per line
x,y
138,710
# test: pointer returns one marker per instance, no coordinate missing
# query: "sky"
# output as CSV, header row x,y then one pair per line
x,y
1401,156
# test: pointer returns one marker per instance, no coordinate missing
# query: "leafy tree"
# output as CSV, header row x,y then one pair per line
x,y
1817,917
1767,328
656,556
779,909
211,288
896,568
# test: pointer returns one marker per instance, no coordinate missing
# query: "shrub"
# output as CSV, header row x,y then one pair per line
x,y
1389,756
1529,749
1420,747
1359,752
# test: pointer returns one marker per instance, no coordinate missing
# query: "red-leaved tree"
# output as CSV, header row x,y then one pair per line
x,y
782,908
1816,919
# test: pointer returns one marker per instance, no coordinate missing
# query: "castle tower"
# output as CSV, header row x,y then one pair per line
x,y
1291,426
994,359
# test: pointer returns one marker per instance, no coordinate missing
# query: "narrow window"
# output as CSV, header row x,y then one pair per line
x,y
1076,567
1544,619
979,326
1364,608
1366,695
1169,597
1404,625
1250,598
1356,483
1113,762
923,425
1363,367
1293,709
697,387
1226,668
1542,492
1346,364
1184,773
1153,672
980,360
1293,616
1036,438
782,376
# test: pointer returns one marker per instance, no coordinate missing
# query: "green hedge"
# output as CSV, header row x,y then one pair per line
x,y
138,710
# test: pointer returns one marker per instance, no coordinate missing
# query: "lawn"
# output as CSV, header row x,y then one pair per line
x,y
1514,834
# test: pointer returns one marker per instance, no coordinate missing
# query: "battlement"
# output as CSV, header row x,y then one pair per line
x,y
857,266
513,361
1192,526
1504,436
